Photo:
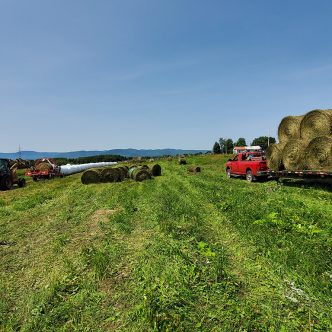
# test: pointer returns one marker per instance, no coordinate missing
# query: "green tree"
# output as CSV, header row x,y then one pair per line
x,y
222,143
216,148
229,145
263,141
241,142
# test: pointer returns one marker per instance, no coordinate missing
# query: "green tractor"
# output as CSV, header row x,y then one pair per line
x,y
8,176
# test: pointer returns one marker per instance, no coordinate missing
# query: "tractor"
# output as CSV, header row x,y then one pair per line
x,y
8,176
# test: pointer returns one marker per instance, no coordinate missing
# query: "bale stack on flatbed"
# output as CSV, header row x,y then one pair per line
x,y
305,143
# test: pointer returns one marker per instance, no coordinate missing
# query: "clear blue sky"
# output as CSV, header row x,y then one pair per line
x,y
104,74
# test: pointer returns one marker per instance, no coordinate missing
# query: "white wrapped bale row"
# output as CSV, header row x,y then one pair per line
x,y
72,169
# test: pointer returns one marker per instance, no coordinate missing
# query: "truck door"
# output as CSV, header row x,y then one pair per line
x,y
235,164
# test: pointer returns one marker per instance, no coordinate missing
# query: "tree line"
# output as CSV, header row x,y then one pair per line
x,y
226,145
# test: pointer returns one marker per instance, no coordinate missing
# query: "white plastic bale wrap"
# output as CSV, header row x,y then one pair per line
x,y
72,169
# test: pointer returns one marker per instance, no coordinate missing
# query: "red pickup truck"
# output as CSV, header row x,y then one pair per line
x,y
252,165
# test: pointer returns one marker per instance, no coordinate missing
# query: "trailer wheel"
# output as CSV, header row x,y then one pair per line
x,y
228,173
249,176
34,178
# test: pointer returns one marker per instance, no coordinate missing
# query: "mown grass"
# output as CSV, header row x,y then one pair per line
x,y
177,253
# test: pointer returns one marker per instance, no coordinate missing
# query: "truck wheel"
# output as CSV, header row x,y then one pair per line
x,y
228,173
249,176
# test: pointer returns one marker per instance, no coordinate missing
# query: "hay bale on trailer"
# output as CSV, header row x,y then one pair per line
x,y
156,170
91,176
289,128
182,161
43,166
318,154
293,154
194,169
316,123
274,156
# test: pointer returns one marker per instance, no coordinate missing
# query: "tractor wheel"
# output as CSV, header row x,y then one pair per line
x,y
228,173
249,176
21,183
7,183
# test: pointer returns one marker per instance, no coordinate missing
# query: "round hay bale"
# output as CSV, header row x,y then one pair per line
x,y
146,167
194,169
156,170
318,154
169,158
91,176
124,171
109,175
293,154
131,170
289,128
120,173
316,123
182,161
139,174
43,166
274,156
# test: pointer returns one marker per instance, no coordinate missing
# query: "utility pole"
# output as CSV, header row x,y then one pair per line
x,y
19,152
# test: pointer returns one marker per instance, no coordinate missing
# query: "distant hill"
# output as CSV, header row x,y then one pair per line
x,y
122,152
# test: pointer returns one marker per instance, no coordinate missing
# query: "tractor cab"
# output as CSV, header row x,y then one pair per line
x,y
8,175
5,174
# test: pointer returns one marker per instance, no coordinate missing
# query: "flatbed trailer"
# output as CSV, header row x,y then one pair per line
x,y
51,172
308,175
47,174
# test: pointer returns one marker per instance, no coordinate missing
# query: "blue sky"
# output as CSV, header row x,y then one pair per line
x,y
105,74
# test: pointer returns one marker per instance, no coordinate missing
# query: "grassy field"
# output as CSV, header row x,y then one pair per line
x,y
178,253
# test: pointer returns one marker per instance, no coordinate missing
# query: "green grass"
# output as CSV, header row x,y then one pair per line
x,y
181,252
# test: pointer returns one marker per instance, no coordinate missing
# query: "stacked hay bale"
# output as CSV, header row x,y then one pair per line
x,y
118,174
305,143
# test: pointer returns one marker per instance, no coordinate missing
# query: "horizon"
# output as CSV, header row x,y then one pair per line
x,y
149,74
